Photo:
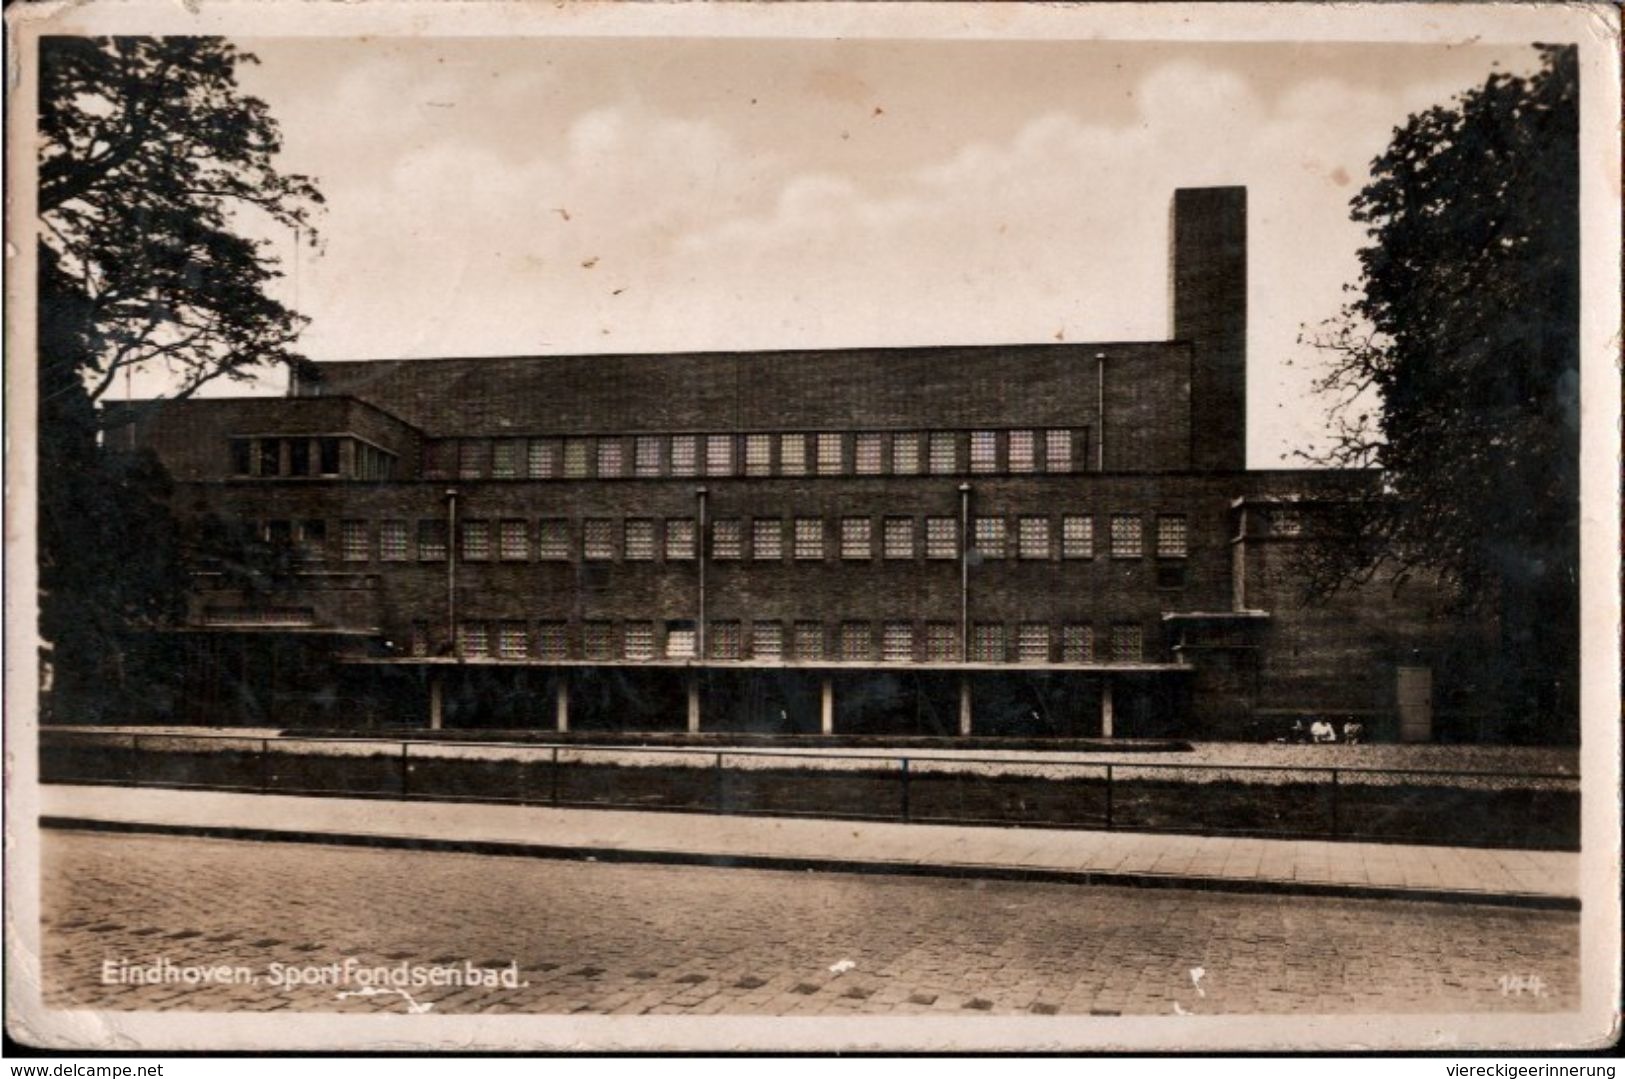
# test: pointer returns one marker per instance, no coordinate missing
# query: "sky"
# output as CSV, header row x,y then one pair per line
x,y
531,196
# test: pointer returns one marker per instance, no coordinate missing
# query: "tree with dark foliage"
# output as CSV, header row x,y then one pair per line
x,y
1465,332
151,164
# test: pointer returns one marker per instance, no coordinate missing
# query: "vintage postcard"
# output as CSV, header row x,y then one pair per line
x,y
812,526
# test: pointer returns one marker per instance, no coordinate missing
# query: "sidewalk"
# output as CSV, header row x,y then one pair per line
x,y
1304,867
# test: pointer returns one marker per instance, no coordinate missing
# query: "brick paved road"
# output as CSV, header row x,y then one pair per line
x,y
631,939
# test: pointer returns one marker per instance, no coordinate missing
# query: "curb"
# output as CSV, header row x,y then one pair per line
x,y
506,849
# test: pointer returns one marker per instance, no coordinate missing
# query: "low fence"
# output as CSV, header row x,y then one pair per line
x,y
1477,808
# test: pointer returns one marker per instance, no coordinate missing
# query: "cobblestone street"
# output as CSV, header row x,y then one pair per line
x,y
636,939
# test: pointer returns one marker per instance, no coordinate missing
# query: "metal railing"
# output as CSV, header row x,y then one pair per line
x,y
1460,807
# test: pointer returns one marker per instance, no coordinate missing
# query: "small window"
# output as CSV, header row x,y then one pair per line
x,y
577,456
640,540
439,459
792,455
473,458
897,642
987,642
1023,456
679,539
543,459
476,541
719,455
767,539
1128,643
680,640
809,537
473,639
829,455
1077,536
515,541
639,640
242,456
984,451
866,453
1077,643
598,539
506,458
723,639
905,453
609,458
392,541
1173,537
857,641
809,640
353,540
991,535
313,540
598,640
553,539
944,453
767,640
512,642
298,456
857,538
1032,537
1284,522
270,457
898,541
1058,451
941,537
646,455
941,642
1032,642
758,455
552,641
728,539
327,456
685,455
1127,535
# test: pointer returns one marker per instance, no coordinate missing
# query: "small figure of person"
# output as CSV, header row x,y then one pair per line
x,y
1320,731
1353,732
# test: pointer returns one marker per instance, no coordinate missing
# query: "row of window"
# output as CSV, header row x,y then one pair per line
x,y
306,456
643,539
892,641
827,453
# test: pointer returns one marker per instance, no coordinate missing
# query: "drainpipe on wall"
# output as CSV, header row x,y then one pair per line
x,y
451,572
1100,437
964,572
700,553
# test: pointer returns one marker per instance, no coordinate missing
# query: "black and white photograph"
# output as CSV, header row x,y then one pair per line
x,y
810,527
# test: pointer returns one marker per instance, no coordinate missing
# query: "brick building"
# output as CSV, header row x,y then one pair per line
x,y
1057,539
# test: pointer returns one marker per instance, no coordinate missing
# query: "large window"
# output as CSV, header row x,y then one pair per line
x,y
1077,536
431,541
1128,535
542,462
638,640
829,454
728,539
866,454
242,456
640,539
646,455
473,458
598,640
1023,456
506,459
793,455
857,641
767,539
313,540
473,639
942,537
809,537
511,641
679,539
680,640
392,541
941,642
609,458
767,640
1058,451
1077,643
1172,536
515,541
723,639
944,453
857,538
598,539
552,640
719,455
327,457
905,453
553,539
898,541
1032,642
576,458
758,455
987,642
476,541
1128,643
353,541
984,451
685,455
1032,537
897,642
991,537
809,640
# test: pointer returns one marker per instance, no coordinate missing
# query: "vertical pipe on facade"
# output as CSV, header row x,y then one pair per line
x,y
964,572
700,553
451,572
1100,437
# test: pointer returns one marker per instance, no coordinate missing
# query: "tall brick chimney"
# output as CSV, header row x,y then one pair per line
x,y
1209,272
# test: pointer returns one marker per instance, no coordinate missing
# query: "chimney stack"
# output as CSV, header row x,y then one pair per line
x,y
1209,270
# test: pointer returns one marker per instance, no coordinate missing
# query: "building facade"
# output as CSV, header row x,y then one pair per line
x,y
1038,540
